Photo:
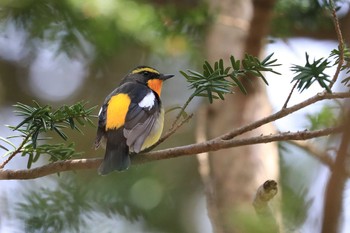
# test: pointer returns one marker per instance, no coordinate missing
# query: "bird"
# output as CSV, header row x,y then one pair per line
x,y
131,118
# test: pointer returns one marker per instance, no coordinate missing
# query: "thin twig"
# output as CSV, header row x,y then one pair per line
x,y
19,148
320,155
211,145
341,45
290,94
177,118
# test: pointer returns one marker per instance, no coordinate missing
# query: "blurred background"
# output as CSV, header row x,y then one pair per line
x,y
62,52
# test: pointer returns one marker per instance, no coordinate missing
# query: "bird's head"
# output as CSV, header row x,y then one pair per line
x,y
148,76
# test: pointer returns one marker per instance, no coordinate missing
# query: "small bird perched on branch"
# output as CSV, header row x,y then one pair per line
x,y
131,117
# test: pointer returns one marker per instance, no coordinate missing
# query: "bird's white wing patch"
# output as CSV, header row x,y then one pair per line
x,y
148,101
99,112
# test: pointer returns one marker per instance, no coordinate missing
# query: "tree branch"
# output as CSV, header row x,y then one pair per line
x,y
341,45
221,142
320,155
290,94
14,153
211,145
284,112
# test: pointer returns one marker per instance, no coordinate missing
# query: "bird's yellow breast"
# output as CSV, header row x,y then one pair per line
x,y
117,109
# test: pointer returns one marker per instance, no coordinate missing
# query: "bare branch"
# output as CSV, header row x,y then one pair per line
x,y
211,145
14,153
283,112
321,156
341,44
52,168
218,144
290,94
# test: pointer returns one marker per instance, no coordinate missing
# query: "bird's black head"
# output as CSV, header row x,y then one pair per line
x,y
148,76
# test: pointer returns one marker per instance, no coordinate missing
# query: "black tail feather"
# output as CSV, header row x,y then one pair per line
x,y
116,156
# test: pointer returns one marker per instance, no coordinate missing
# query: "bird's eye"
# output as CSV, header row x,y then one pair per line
x,y
145,73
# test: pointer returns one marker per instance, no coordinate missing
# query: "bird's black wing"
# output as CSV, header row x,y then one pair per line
x,y
101,126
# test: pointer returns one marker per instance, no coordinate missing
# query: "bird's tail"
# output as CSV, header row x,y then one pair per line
x,y
116,158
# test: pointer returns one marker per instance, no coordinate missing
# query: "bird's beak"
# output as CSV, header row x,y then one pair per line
x,y
166,76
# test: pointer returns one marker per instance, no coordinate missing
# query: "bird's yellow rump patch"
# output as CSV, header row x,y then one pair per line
x,y
142,69
117,109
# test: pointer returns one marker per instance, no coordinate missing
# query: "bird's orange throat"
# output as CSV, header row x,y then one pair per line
x,y
155,85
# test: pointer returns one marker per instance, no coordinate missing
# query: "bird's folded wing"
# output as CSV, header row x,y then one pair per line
x,y
138,125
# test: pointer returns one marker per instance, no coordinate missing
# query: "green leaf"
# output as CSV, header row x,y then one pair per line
x,y
60,133
35,137
238,83
210,96
184,74
196,74
71,123
309,73
208,66
80,121
236,65
213,82
4,148
221,66
30,160
323,119
7,153
8,142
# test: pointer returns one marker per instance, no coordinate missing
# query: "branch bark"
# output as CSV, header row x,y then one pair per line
x,y
340,46
211,145
284,112
315,152
221,142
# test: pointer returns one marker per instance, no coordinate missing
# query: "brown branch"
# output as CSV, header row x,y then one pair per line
x,y
224,141
320,155
283,112
52,168
211,145
290,94
341,45
218,144
14,153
